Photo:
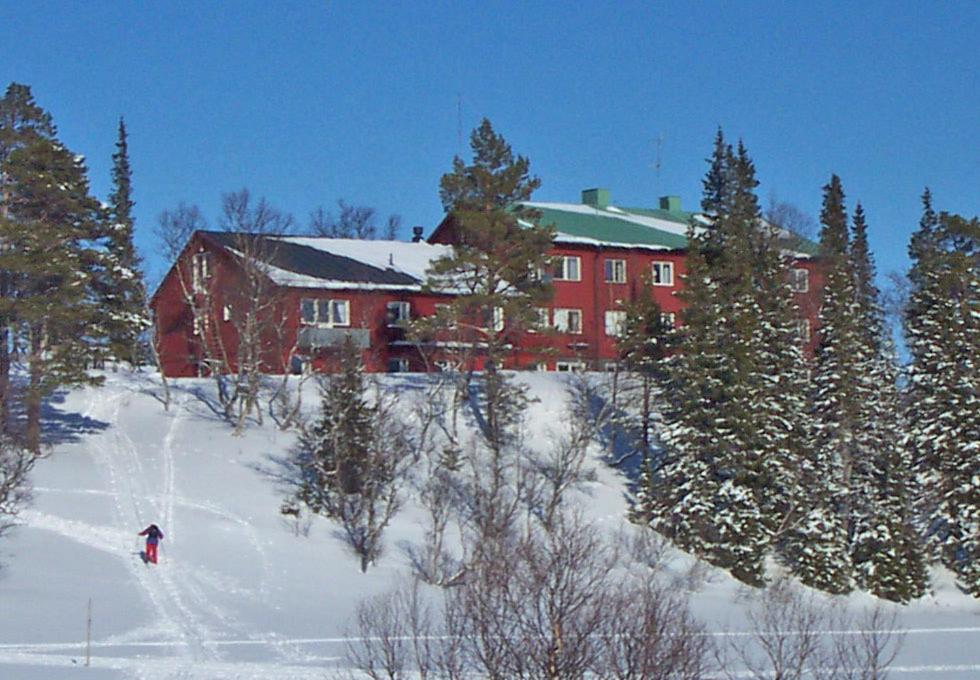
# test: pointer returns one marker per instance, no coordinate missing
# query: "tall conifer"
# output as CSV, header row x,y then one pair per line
x,y
122,291
942,326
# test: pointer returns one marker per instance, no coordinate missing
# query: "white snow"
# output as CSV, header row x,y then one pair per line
x,y
237,594
616,213
400,256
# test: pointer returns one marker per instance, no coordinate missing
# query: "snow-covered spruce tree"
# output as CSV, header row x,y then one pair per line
x,y
818,545
121,286
49,258
21,122
493,270
942,326
724,487
350,459
644,344
885,549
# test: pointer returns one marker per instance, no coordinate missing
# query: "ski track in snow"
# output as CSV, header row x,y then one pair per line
x,y
189,634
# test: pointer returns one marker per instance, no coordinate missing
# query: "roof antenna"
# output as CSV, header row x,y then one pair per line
x,y
659,160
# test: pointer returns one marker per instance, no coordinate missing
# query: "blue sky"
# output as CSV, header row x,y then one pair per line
x,y
306,103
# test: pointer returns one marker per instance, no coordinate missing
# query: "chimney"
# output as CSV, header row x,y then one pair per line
x,y
670,203
597,198
416,234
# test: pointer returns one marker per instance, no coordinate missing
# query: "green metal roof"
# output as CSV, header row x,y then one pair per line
x,y
610,228
612,225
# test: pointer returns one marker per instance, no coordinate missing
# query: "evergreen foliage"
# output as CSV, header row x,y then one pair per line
x,y
819,546
733,427
22,121
885,548
120,283
942,326
49,257
494,271
349,461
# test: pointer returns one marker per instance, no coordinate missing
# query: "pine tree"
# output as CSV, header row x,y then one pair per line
x,y
120,281
942,326
22,121
819,547
48,257
493,271
885,548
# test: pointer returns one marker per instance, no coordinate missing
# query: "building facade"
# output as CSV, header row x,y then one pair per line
x,y
306,295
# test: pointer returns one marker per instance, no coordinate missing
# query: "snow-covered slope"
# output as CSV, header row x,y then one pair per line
x,y
237,593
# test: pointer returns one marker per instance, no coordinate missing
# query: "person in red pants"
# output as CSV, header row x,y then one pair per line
x,y
153,537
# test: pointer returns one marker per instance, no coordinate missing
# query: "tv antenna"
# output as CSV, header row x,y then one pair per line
x,y
459,124
659,161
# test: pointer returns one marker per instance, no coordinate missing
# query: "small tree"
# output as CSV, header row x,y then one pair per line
x,y
351,459
16,463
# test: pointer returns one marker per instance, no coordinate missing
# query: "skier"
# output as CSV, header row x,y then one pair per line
x,y
153,536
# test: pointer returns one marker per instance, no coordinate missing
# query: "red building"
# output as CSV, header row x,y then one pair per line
x,y
316,292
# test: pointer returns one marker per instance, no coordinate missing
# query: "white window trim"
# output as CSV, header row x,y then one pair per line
x,y
566,312
669,318
404,312
200,271
621,270
804,330
619,326
543,320
665,265
564,268
795,281
569,366
329,323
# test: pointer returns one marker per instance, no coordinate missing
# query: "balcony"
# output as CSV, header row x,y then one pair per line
x,y
310,337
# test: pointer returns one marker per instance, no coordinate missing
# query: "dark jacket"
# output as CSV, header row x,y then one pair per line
x,y
152,533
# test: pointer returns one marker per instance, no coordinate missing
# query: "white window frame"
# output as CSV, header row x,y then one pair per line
x,y
332,320
803,330
669,318
569,366
615,322
614,270
562,320
402,312
200,271
543,320
498,321
562,270
799,281
662,273
226,313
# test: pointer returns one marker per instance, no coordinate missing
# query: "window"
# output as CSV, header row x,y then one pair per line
x,y
200,272
569,268
542,319
196,325
398,365
662,273
668,319
226,313
803,329
569,366
498,319
615,271
799,280
326,313
398,312
615,322
568,320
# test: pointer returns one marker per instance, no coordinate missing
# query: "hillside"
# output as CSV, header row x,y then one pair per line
x,y
238,592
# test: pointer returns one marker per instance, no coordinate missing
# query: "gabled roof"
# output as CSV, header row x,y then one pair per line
x,y
321,262
613,226
644,228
